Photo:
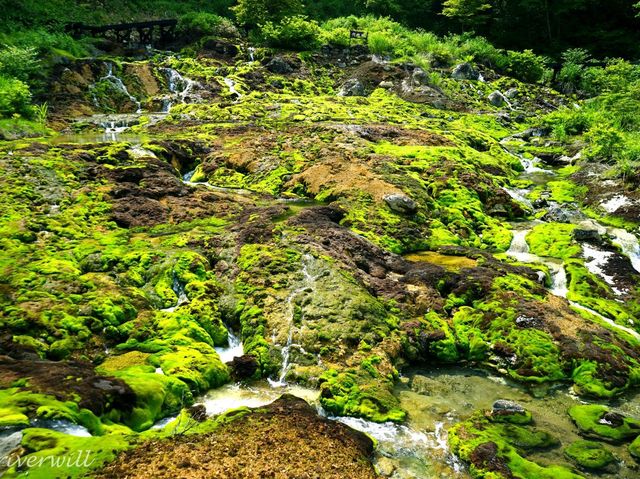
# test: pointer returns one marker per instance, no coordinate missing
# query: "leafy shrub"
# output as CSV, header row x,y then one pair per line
x,y
338,36
525,66
199,24
381,43
17,62
617,76
604,142
574,61
296,33
15,97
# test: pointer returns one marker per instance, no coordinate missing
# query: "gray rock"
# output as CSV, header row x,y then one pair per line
x,y
559,214
352,87
401,203
419,77
511,93
587,235
465,71
497,99
279,65
386,85
503,406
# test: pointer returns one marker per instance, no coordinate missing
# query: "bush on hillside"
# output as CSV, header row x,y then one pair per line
x,y
295,33
200,24
525,66
17,62
15,97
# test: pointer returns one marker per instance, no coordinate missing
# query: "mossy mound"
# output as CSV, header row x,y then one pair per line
x,y
497,450
634,448
597,421
589,454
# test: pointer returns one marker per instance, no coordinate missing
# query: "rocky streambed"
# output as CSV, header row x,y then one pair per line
x,y
207,234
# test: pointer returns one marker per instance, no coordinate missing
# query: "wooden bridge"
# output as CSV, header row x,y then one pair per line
x,y
157,32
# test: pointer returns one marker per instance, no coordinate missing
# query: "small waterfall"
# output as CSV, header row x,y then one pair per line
x,y
609,321
252,52
234,349
61,425
179,87
117,82
180,292
628,243
519,196
519,250
232,87
307,284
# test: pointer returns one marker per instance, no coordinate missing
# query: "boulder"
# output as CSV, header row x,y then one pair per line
x,y
465,71
243,367
386,85
401,203
419,77
504,406
511,93
352,87
279,66
587,235
497,99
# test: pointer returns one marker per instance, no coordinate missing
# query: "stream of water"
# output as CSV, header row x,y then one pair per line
x,y
595,259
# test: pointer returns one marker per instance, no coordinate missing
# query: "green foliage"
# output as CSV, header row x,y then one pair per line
x,y
525,66
295,33
18,62
199,24
259,12
469,12
605,143
15,97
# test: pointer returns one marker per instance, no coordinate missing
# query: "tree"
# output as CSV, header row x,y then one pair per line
x,y
469,12
252,13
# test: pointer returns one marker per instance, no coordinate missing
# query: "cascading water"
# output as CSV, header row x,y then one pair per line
x,y
178,86
307,284
252,52
119,85
180,292
233,350
232,87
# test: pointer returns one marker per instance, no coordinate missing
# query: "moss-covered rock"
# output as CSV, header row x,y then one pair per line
x,y
589,454
497,450
598,421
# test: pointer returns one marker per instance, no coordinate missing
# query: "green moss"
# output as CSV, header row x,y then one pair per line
x,y
634,448
495,450
553,240
360,393
589,420
53,454
589,454
19,405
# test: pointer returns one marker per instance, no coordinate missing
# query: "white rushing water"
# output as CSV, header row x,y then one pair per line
x,y
181,294
305,285
234,349
232,87
519,250
119,85
63,426
519,196
179,86
628,243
